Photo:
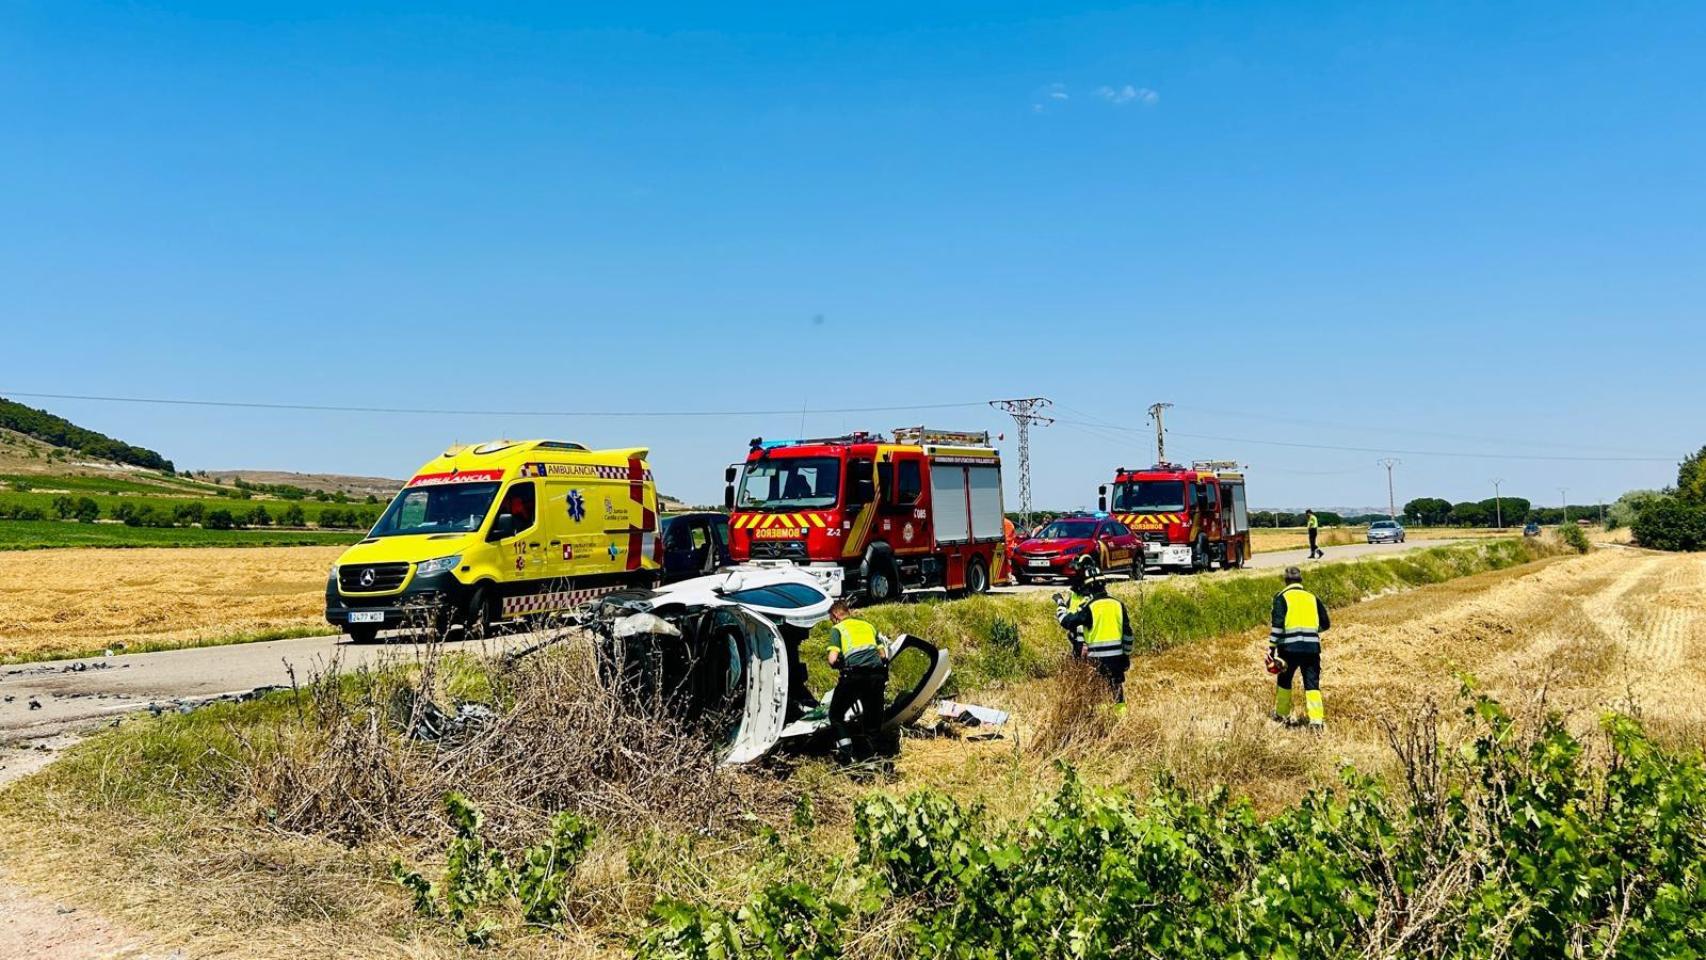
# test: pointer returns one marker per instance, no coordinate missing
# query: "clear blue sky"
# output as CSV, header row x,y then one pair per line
x,y
1437,228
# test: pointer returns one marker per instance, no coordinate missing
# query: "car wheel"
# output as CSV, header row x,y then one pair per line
x,y
977,578
1021,578
1137,567
362,633
477,615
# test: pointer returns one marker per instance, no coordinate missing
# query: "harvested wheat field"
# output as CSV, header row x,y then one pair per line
x,y
1269,539
1617,628
80,601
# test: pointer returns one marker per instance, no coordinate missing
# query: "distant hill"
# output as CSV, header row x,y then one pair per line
x,y
60,432
355,486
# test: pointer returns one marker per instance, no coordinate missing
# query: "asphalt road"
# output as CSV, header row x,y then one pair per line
x,y
74,694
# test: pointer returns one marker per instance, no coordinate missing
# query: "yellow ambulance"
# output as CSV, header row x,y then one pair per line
x,y
496,531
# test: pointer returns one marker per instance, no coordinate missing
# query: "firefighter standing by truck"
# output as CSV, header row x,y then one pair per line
x,y
1294,644
1107,636
861,655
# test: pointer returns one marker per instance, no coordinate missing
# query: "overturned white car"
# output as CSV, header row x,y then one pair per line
x,y
725,650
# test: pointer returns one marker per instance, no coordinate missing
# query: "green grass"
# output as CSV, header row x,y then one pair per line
x,y
42,534
1163,614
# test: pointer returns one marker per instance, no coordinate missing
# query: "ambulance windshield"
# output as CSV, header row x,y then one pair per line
x,y
790,483
447,508
1149,496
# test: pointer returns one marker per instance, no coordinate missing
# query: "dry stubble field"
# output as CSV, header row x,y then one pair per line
x,y
80,601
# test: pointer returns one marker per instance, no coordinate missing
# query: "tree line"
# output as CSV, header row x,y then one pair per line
x,y
61,432
145,514
1669,519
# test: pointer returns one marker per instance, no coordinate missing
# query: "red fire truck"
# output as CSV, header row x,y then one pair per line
x,y
1190,517
869,515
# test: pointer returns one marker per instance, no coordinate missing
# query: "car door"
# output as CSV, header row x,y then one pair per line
x,y
1122,545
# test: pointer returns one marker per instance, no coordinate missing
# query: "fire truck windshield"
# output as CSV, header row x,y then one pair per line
x,y
1149,496
790,483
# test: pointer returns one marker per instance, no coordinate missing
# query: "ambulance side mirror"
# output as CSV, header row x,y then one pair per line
x,y
503,526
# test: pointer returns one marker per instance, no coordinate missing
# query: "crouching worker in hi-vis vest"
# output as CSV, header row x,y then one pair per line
x,y
1107,636
860,653
1294,644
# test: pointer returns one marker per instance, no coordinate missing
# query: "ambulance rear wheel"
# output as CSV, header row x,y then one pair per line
x,y
977,578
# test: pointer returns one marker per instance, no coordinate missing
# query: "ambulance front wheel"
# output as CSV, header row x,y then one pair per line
x,y
362,633
477,614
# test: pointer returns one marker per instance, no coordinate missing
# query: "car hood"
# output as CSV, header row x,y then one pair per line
x,y
1038,546
411,548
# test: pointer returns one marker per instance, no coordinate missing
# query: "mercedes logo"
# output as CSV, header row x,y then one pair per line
x,y
367,577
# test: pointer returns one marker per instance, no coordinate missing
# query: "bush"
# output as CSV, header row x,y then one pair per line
x,y
1671,525
258,517
1573,537
188,514
292,516
64,507
1513,845
218,518
86,510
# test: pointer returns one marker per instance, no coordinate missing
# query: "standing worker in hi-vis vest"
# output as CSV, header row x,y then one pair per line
x,y
1107,636
1313,522
862,655
1295,644
1077,598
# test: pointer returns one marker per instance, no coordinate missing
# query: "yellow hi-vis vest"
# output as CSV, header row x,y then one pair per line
x,y
857,642
1107,636
1314,521
1075,601
1302,618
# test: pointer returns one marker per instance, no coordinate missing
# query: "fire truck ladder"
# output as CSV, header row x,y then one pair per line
x,y
923,435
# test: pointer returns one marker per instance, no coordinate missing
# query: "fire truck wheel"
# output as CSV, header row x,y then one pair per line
x,y
1137,566
977,578
1201,560
882,580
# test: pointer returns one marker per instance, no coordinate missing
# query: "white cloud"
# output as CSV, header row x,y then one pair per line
x,y
1120,96
1057,91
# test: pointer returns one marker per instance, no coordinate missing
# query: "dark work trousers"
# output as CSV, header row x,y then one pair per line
x,y
800,699
1314,551
1309,663
1112,670
856,737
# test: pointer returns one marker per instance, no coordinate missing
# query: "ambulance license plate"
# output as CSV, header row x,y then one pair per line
x,y
367,616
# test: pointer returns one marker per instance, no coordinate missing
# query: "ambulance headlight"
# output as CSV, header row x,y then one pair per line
x,y
430,568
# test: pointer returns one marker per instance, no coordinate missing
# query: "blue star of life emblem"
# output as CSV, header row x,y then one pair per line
x,y
577,506
614,550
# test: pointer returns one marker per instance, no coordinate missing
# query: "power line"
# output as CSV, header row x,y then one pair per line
x,y
427,411
1412,453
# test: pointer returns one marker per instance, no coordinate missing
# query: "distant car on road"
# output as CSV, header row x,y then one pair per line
x,y
1051,551
694,545
1531,529
1385,531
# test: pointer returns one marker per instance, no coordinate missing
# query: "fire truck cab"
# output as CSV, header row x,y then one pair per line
x,y
1188,517
869,515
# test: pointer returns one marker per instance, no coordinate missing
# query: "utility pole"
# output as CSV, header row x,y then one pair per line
x,y
1155,412
1391,501
1498,505
1024,413
1564,495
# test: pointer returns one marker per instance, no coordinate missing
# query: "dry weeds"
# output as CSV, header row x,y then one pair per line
x,y
83,600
